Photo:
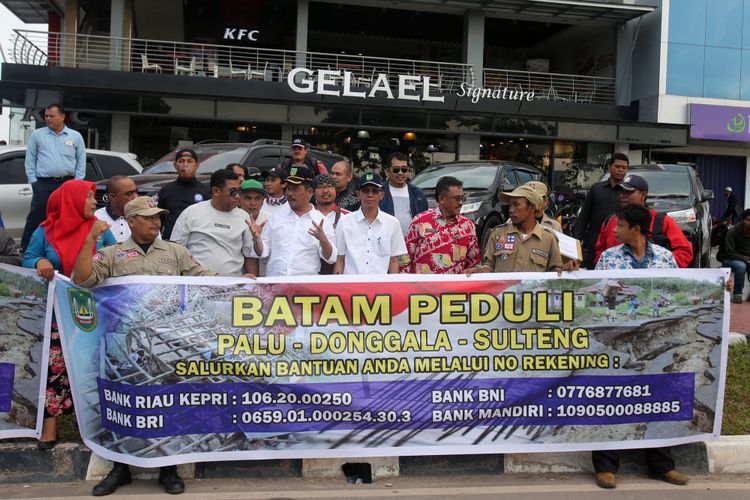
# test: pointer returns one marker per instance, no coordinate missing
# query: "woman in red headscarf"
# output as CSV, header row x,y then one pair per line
x,y
54,246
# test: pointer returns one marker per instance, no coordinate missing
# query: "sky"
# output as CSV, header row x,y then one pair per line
x,y
9,22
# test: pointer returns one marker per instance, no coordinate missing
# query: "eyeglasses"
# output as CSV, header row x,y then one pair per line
x,y
402,170
457,199
234,192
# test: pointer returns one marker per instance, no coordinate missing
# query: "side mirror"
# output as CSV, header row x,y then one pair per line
x,y
708,195
507,186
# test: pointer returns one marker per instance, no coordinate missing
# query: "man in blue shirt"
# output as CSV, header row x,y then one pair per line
x,y
55,154
636,252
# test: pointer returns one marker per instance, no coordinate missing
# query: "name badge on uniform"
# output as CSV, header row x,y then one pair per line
x,y
68,143
506,242
540,252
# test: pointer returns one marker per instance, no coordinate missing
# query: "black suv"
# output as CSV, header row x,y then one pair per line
x,y
483,181
677,190
262,154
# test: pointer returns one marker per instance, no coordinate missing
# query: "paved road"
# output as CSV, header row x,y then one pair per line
x,y
507,487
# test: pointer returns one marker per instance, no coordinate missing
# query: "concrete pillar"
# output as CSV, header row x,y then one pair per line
x,y
303,18
116,31
474,43
119,137
70,27
467,147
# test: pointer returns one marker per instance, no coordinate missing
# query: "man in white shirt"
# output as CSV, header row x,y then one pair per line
x,y
401,198
252,197
275,184
369,241
215,231
120,190
297,236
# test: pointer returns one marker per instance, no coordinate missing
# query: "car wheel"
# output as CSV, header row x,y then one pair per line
x,y
491,223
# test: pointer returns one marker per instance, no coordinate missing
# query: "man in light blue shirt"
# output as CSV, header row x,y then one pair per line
x,y
55,154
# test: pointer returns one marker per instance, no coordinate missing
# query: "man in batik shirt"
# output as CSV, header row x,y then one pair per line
x,y
441,240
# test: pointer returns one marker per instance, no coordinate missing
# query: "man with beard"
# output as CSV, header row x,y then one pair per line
x,y
182,192
324,190
300,159
601,201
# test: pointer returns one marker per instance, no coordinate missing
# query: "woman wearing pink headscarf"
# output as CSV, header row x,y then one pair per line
x,y
54,246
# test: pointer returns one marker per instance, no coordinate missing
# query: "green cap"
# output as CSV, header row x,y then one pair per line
x,y
252,185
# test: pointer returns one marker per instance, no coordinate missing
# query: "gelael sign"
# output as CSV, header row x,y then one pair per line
x,y
722,123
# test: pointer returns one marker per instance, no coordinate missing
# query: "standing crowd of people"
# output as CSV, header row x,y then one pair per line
x,y
299,219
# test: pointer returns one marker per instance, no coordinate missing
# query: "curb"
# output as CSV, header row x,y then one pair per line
x,y
23,463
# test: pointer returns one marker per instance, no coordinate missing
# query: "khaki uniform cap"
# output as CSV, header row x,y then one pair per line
x,y
523,192
143,205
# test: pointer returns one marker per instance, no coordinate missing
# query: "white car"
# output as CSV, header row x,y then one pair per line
x,y
15,191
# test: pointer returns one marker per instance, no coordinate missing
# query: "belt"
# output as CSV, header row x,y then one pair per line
x,y
60,178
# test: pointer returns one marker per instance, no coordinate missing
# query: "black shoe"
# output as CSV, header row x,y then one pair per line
x,y
118,476
171,481
46,445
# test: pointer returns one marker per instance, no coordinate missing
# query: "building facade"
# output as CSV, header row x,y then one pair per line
x,y
550,84
695,62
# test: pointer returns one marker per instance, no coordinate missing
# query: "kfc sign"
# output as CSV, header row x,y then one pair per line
x,y
240,34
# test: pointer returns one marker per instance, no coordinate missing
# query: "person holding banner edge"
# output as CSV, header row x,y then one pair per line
x,y
152,256
54,246
635,252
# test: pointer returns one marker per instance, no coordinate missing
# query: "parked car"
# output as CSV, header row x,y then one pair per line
x,y
677,190
15,191
483,181
262,154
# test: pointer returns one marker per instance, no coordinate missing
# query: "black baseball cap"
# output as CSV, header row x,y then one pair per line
x,y
253,173
632,183
299,142
277,172
298,175
370,178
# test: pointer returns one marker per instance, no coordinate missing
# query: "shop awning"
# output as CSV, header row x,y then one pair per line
x,y
563,11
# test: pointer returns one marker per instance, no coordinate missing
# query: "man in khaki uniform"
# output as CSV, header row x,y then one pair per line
x,y
520,245
541,216
143,253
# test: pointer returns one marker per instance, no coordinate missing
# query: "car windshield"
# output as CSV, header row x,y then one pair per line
x,y
664,182
473,176
211,158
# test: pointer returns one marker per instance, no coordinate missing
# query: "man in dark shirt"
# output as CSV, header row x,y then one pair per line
x,y
731,212
601,201
183,192
345,186
734,253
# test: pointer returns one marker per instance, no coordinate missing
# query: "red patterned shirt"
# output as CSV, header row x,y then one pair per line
x,y
438,247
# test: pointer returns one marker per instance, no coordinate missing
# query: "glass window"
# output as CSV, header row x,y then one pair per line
x,y
473,176
687,21
746,25
685,70
523,176
722,73
113,165
91,174
724,24
745,76
12,170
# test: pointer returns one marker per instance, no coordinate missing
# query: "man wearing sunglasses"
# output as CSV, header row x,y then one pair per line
x,y
401,198
216,231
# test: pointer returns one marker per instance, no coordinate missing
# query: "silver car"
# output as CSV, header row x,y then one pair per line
x,y
15,191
